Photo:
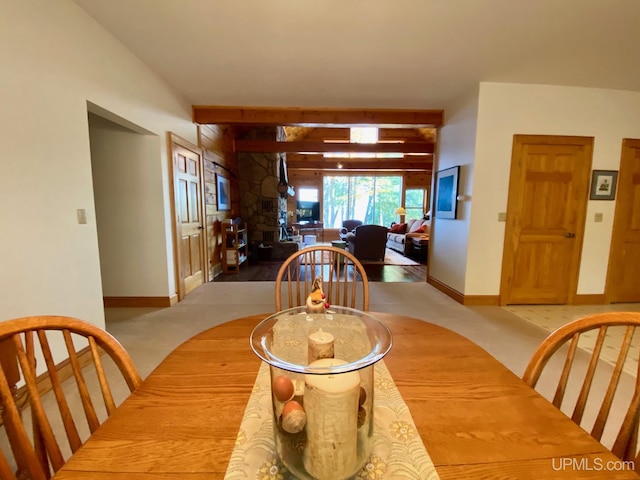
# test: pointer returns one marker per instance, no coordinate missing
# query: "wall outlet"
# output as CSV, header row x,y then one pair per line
x,y
81,213
598,217
502,216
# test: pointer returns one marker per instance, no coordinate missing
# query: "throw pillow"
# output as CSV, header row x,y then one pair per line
x,y
399,228
422,229
415,225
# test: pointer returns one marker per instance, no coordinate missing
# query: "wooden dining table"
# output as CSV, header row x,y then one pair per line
x,y
476,418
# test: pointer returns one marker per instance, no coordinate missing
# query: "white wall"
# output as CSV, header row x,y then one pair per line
x,y
54,59
508,109
127,185
449,242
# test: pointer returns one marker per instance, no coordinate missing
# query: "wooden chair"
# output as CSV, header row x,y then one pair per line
x,y
35,340
625,442
348,226
9,365
5,469
368,242
344,280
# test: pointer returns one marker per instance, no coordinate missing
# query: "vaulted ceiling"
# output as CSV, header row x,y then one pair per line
x,y
391,138
330,148
380,54
421,54
320,139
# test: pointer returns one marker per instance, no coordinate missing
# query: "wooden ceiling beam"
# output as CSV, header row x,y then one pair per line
x,y
384,134
415,157
268,146
413,134
367,164
318,162
315,117
325,133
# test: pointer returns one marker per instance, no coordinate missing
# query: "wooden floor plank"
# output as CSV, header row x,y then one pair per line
x,y
260,271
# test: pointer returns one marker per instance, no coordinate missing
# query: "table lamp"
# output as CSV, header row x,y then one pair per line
x,y
400,211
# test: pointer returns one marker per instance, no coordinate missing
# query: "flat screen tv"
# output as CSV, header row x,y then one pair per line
x,y
307,211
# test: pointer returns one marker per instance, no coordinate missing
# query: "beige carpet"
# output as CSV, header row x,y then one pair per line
x,y
391,257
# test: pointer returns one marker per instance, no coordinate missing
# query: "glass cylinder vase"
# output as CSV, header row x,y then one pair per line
x,y
322,387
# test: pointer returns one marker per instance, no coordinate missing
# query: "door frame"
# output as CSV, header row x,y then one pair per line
x,y
514,186
173,139
628,145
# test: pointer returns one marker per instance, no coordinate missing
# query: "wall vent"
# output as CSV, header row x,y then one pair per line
x,y
268,236
268,206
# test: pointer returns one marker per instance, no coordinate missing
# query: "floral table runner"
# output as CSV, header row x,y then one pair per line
x,y
398,451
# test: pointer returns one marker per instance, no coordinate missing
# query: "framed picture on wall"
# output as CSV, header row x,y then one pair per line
x,y
603,185
447,192
223,193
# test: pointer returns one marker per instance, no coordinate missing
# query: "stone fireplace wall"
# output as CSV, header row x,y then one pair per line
x,y
260,203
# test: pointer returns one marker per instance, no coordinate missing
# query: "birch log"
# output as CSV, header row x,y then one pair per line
x,y
320,345
331,405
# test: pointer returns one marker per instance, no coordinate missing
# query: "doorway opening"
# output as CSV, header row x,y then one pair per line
x,y
129,211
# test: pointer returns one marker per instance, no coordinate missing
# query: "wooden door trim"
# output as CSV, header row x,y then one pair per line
x,y
174,139
628,144
508,250
587,143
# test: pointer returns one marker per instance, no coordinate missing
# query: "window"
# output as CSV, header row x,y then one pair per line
x,y
364,135
415,201
369,198
306,194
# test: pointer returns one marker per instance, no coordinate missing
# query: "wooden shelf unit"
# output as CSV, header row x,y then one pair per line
x,y
234,247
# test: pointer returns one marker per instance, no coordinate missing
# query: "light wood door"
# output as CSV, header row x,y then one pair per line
x,y
548,190
188,202
623,284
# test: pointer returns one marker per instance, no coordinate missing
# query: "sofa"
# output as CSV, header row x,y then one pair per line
x,y
367,242
399,232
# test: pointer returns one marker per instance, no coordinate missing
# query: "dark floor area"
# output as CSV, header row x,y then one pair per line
x,y
264,271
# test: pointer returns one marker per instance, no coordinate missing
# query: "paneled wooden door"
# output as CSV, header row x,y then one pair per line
x,y
548,191
188,210
623,284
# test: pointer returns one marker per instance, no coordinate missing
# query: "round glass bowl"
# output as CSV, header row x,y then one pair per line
x,y
322,387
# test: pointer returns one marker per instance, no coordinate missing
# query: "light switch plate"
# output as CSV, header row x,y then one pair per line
x,y
502,216
598,217
81,213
